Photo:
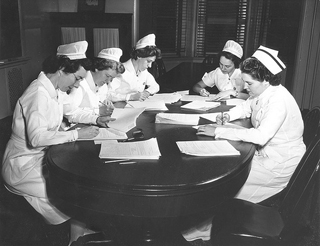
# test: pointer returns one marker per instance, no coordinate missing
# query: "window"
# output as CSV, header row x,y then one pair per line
x,y
10,39
219,21
204,24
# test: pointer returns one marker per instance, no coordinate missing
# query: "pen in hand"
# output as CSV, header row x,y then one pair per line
x,y
222,120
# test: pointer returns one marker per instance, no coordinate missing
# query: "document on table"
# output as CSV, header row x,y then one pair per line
x,y
207,148
176,118
148,105
126,118
165,97
147,149
234,101
190,98
201,105
226,125
108,134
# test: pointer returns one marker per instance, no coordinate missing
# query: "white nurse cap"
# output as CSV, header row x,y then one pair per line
x,y
111,54
74,51
233,48
149,40
269,58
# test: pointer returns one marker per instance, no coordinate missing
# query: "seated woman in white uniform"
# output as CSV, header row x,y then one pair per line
x,y
226,77
36,125
90,103
136,83
277,129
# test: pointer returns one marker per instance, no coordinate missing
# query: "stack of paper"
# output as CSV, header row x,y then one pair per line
x,y
125,118
207,148
107,134
148,149
165,97
148,105
234,101
191,98
175,118
201,105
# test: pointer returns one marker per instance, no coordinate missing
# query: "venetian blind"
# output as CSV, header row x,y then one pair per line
x,y
219,21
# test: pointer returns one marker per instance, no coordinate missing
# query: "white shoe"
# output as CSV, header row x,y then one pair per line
x,y
195,233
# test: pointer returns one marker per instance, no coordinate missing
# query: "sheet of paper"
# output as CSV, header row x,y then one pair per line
x,y
108,134
226,125
190,98
207,148
211,116
126,118
148,105
147,149
176,118
201,105
165,97
234,101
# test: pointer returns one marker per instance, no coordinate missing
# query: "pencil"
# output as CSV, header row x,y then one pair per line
x,y
115,161
128,162
222,118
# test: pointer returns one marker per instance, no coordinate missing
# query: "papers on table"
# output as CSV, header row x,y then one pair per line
x,y
176,118
190,98
147,149
165,97
226,125
125,118
201,105
234,101
183,119
207,148
107,134
148,105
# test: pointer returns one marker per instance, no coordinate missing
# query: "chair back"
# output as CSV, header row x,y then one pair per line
x,y
5,133
157,68
311,124
211,62
299,187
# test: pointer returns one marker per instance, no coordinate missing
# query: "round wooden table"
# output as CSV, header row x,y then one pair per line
x,y
152,199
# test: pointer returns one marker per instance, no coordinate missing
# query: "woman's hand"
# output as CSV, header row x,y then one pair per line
x,y
207,130
222,118
88,132
106,108
223,95
104,120
203,92
144,95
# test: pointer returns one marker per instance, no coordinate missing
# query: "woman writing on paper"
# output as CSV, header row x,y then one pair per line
x,y
90,103
277,129
136,83
227,77
36,125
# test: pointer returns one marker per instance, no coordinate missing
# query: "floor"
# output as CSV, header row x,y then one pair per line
x,y
20,225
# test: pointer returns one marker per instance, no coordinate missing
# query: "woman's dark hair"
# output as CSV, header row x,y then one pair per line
x,y
146,52
54,63
258,71
236,60
103,64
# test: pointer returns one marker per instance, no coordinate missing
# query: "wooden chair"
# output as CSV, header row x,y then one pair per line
x,y
245,223
158,68
311,124
311,129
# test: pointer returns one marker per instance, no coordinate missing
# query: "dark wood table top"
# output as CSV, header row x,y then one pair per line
x,y
174,185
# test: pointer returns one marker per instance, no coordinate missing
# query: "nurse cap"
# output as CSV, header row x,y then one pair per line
x,y
149,40
111,54
233,48
74,51
269,58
